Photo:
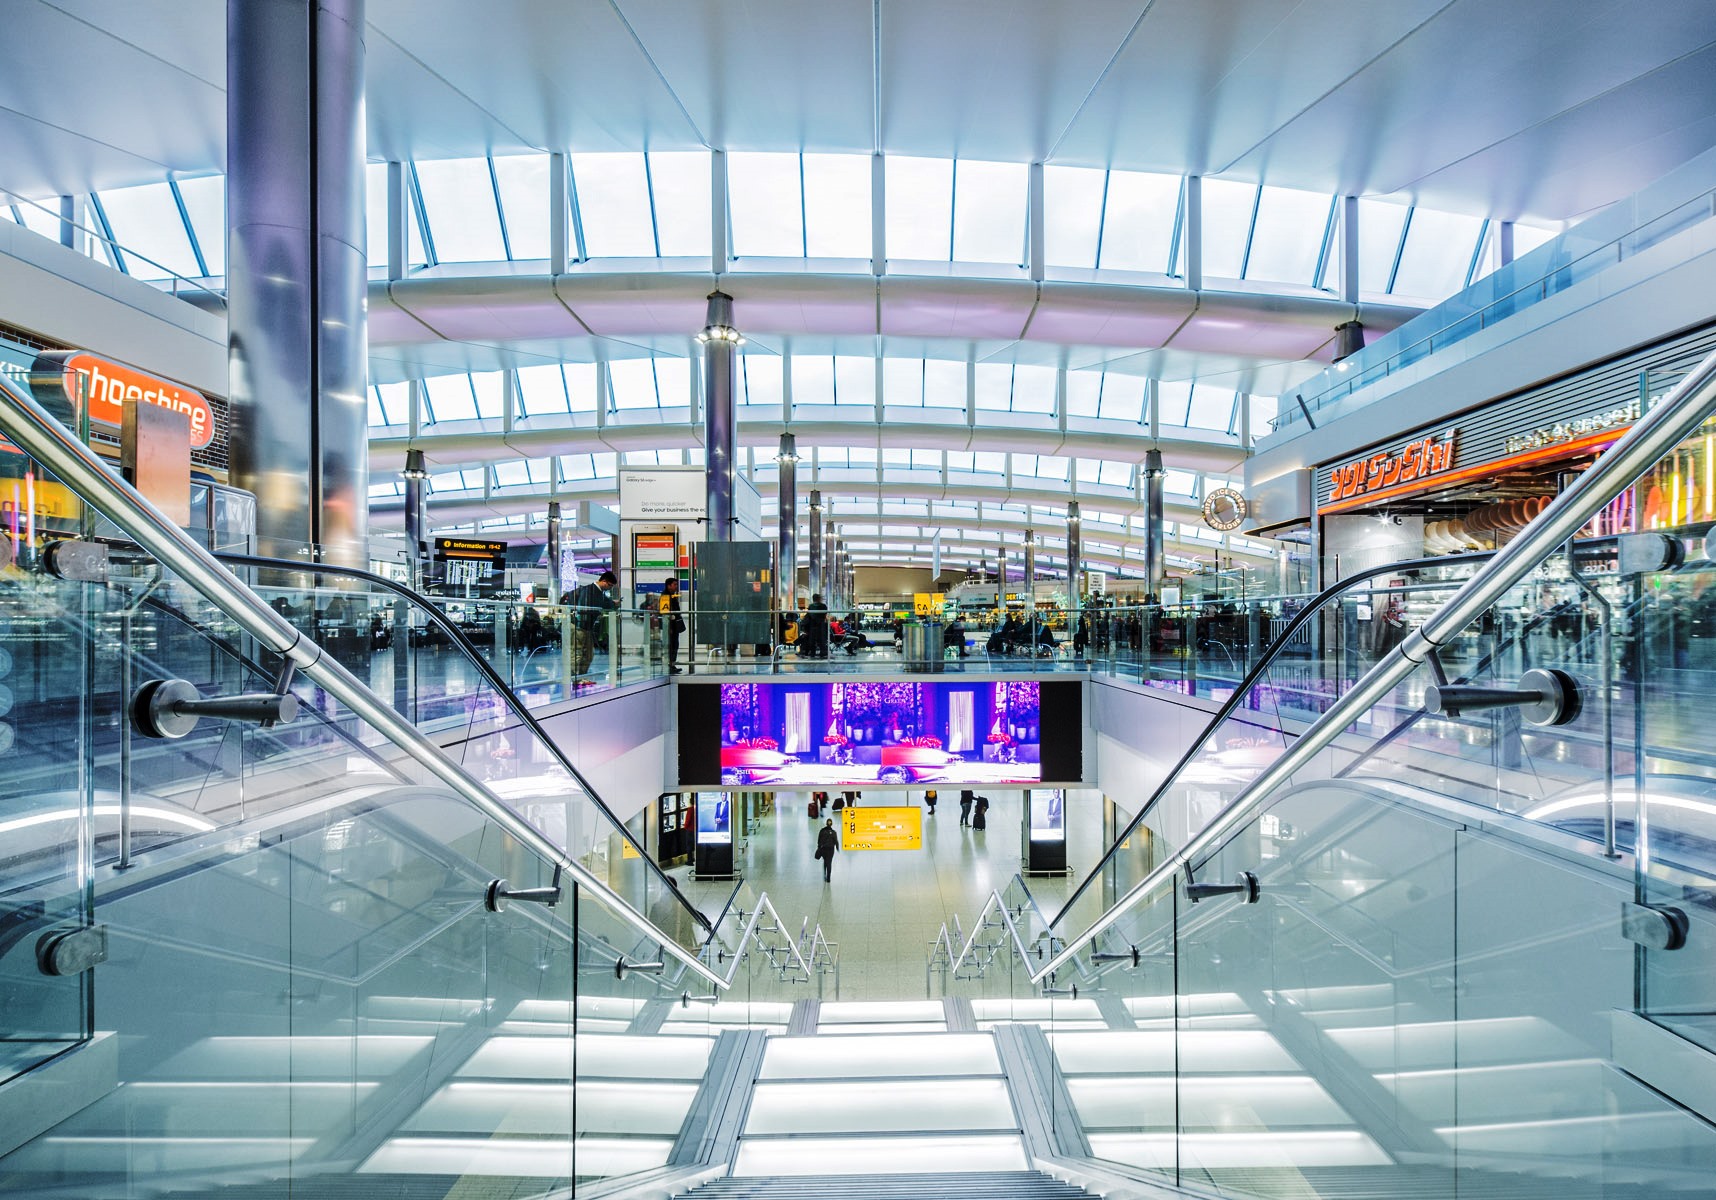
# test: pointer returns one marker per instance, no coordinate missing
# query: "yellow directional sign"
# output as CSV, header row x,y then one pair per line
x,y
928,604
867,828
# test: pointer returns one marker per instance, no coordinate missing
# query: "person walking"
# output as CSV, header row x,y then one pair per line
x,y
673,622
588,604
980,814
929,801
965,799
827,845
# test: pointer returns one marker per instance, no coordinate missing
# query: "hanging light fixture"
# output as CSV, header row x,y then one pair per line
x,y
1349,340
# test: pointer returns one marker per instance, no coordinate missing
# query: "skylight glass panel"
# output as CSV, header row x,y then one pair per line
x,y
761,379
375,212
524,190
1084,393
449,398
854,380
646,458
1227,223
1379,237
1180,483
812,379
862,456
679,182
1264,410
490,389
377,409
542,391
43,217
607,464
577,466
1115,474
944,383
765,205
459,203
673,382
1024,464
205,201
994,387
633,383
511,474
896,457
147,225
919,218
1211,408
903,382
1122,397
1288,238
693,456
1072,215
1088,470
1033,389
613,205
389,488
1052,466
989,201
961,460
989,463
1438,254
1173,399
831,456
837,205
1138,221
394,402
537,470
581,386
926,460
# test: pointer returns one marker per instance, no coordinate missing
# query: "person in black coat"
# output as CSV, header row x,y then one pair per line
x,y
813,629
980,813
827,846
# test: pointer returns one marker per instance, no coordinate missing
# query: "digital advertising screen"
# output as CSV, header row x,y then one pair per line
x,y
1048,816
714,820
875,733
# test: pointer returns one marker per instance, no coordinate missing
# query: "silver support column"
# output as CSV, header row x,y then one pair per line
x,y
297,273
1075,561
786,570
553,547
720,350
1030,588
1154,478
815,581
416,477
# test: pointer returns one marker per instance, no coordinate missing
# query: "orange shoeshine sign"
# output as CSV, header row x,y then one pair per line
x,y
111,387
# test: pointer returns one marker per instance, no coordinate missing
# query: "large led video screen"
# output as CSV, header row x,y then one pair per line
x,y
882,734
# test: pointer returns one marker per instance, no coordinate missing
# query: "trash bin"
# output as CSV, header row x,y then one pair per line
x,y
922,651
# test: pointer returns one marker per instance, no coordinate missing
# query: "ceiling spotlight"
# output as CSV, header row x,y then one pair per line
x,y
414,468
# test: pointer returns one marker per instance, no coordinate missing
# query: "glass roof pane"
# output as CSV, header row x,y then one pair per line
x,y
1084,389
673,382
490,388
944,383
581,386
1173,399
1138,223
577,466
989,211
146,221
861,456
994,387
837,205
903,382
524,187
449,398
1033,389
633,383
761,381
511,474
37,218
542,390
1180,483
854,380
679,181
1072,215
459,202
986,462
205,201
1087,470
1122,397
1289,236
1438,253
1211,408
961,460
377,410
812,379
1115,474
613,205
765,205
607,462
1227,223
927,459
1051,466
896,457
919,220
394,401
1379,236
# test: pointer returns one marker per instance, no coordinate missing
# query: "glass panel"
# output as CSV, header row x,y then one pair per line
x,y
1211,408
673,382
459,200
761,379
919,216
1138,223
633,383
490,389
581,386
989,211
837,205
766,204
524,191
146,221
994,387
1380,226
449,398
1033,389
944,384
542,391
1288,237
375,210
1173,401
1122,397
679,182
614,205
1084,393
1438,253
812,379
854,380
903,382
205,201
1072,215
1227,224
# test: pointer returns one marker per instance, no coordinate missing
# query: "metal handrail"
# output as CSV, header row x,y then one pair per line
x,y
1677,417
35,431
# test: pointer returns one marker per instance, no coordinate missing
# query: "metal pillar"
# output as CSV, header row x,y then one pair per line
x,y
1075,561
297,273
786,570
720,350
1030,588
1154,478
815,581
416,477
553,547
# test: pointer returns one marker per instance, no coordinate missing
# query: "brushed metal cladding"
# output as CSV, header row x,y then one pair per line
x,y
786,503
815,581
297,278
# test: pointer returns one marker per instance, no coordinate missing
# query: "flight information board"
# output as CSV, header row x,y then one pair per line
x,y
867,828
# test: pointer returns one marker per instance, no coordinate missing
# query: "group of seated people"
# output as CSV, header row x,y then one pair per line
x,y
1014,636
816,633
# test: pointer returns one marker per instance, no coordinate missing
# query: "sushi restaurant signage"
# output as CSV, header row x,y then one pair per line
x,y
110,386
1418,459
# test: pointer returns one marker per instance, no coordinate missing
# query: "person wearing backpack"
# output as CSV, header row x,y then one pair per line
x,y
827,845
673,622
588,603
980,814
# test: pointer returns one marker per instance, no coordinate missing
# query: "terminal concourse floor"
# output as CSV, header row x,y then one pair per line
x,y
884,908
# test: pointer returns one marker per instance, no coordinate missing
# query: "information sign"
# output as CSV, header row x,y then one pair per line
x,y
873,828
